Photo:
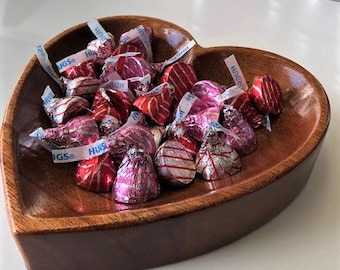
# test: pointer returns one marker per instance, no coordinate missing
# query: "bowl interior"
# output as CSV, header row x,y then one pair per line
x,y
38,189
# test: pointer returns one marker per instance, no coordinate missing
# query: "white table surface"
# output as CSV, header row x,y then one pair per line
x,y
306,234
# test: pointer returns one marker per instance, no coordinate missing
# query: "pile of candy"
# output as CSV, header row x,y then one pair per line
x,y
138,123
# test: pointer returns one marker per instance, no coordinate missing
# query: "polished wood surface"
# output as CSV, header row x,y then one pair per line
x,y
57,224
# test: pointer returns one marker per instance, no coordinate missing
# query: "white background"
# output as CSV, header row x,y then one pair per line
x,y
306,234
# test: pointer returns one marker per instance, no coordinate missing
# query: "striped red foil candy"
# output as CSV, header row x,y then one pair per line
x,y
111,102
182,76
62,110
266,95
96,174
245,106
84,69
216,160
157,105
174,164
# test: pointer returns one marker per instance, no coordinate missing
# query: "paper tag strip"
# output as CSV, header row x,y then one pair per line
x,y
218,127
146,41
184,106
236,72
229,93
180,53
79,153
98,30
75,59
267,123
44,61
121,85
113,59
47,96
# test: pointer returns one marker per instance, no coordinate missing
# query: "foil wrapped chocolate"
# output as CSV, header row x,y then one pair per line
x,y
266,95
134,136
140,37
245,142
196,124
96,174
61,110
179,133
215,159
156,103
244,105
80,130
131,68
182,76
207,91
111,102
84,69
102,49
174,164
136,180
81,86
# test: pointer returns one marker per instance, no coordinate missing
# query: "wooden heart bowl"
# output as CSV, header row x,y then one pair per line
x,y
58,225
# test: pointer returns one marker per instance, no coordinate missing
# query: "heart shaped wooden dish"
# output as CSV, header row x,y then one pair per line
x,y
57,225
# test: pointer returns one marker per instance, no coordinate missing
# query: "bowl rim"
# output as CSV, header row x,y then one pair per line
x,y
126,218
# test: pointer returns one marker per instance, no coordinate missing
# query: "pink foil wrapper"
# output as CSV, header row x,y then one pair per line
x,y
135,136
136,180
216,160
234,121
207,91
196,124
174,164
61,110
102,50
81,130
125,48
96,174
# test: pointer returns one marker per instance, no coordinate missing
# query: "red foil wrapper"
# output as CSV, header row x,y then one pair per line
x,y
85,69
80,130
81,86
244,105
182,76
266,95
96,174
111,102
234,121
61,110
174,164
207,91
216,160
135,136
102,49
157,105
136,180
137,42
